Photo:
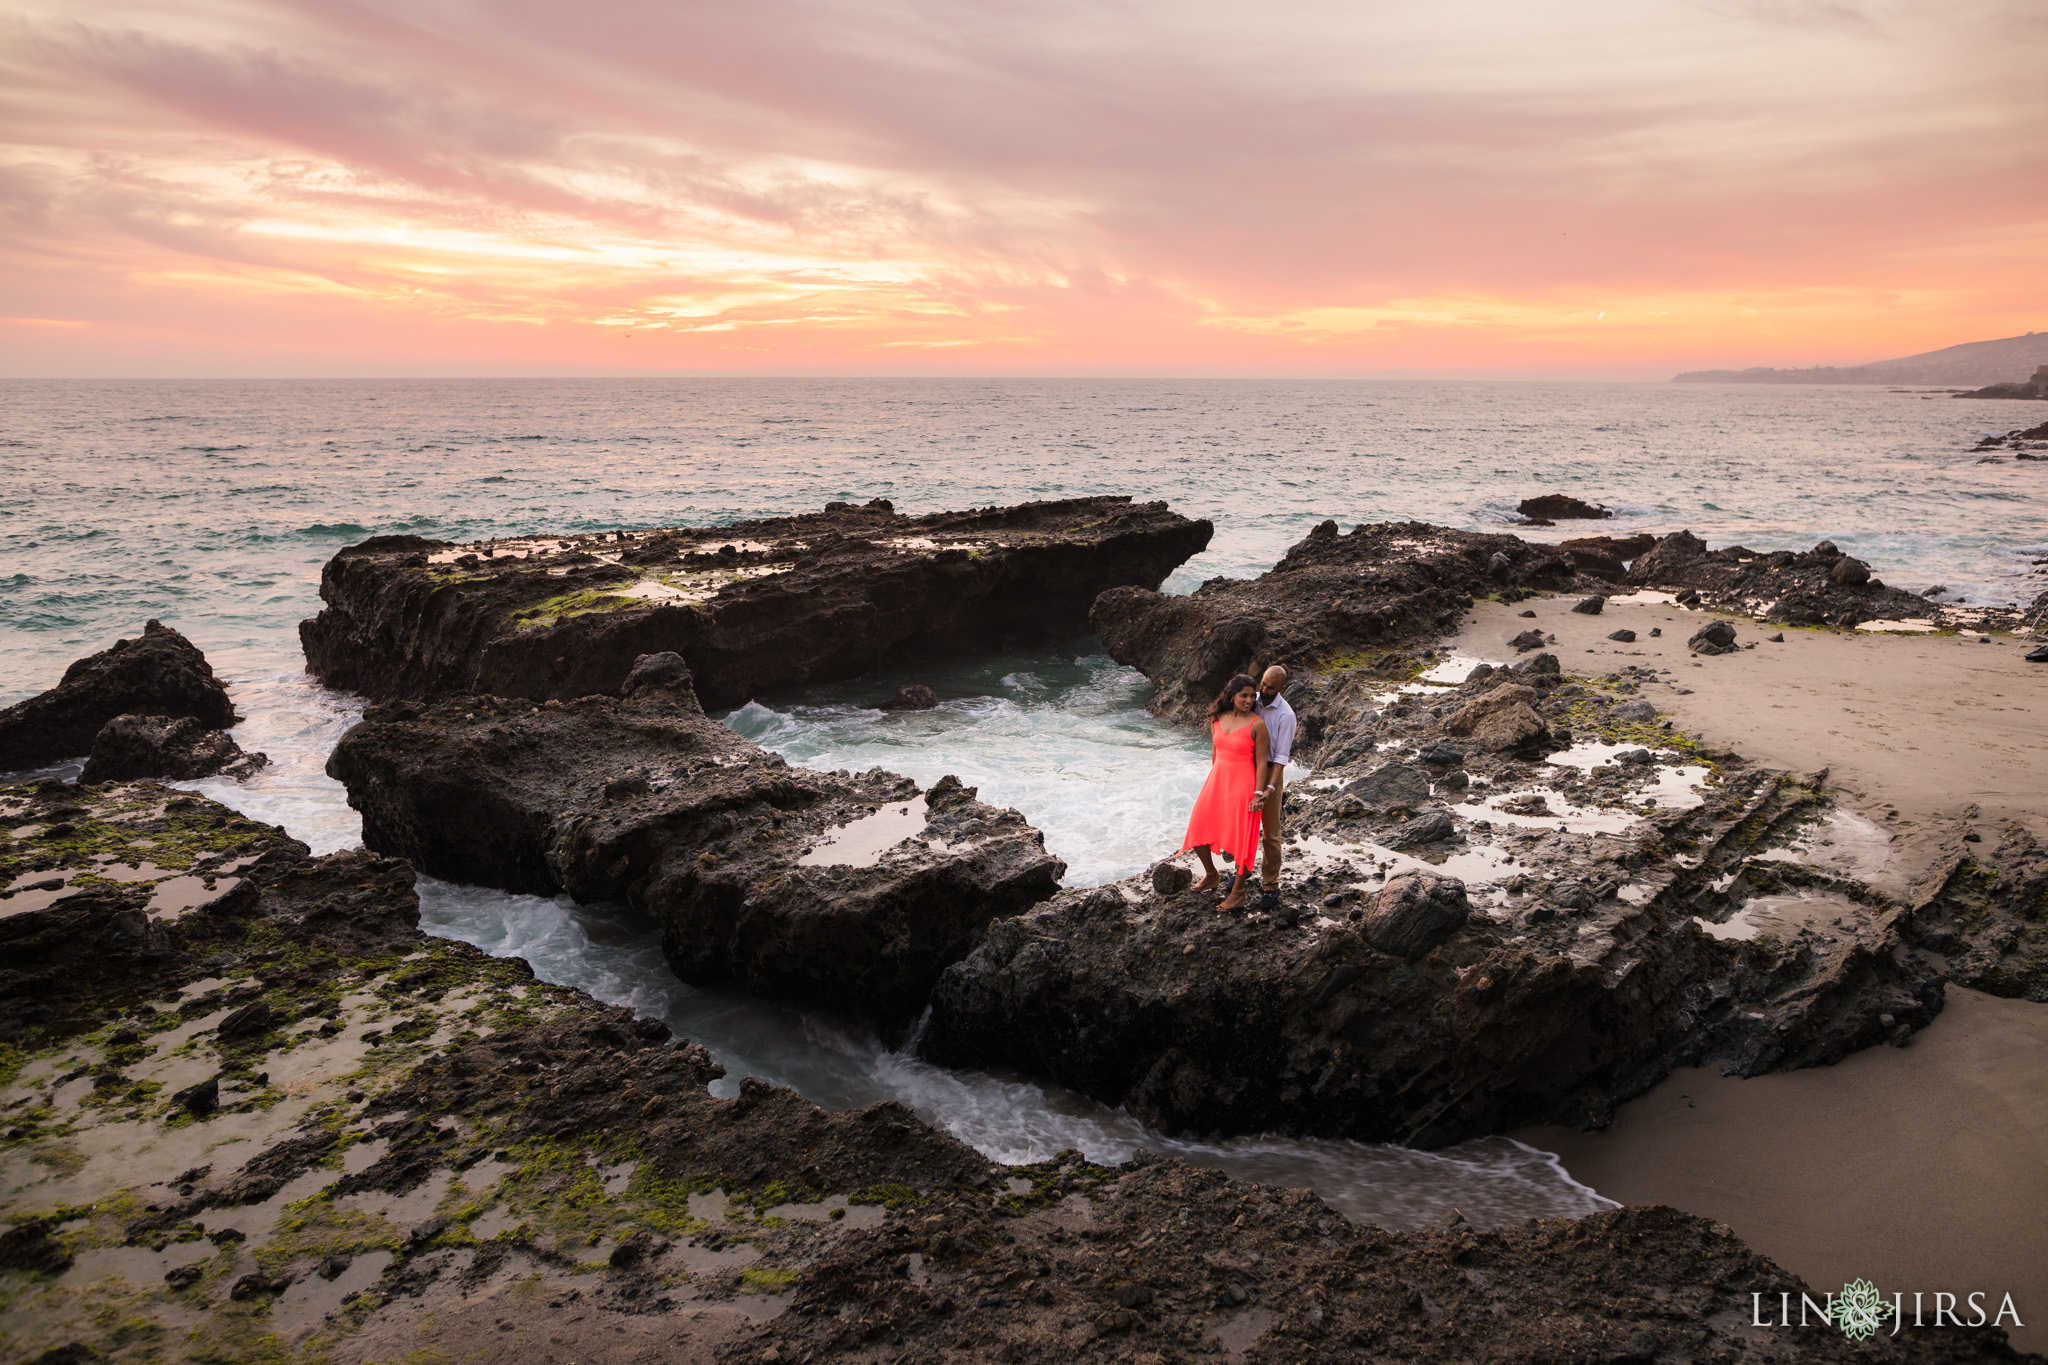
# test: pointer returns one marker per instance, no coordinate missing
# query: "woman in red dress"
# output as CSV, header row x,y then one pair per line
x,y
1226,816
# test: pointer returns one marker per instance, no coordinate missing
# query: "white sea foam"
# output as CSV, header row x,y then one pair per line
x,y
615,955
1067,742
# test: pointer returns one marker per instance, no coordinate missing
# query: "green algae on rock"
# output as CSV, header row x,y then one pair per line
x,y
753,607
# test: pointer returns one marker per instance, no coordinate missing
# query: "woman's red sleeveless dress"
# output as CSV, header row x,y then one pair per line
x,y
1220,819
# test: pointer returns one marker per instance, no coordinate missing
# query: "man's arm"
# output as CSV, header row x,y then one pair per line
x,y
1282,747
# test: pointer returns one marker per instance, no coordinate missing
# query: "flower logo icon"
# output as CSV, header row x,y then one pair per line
x,y
1859,1310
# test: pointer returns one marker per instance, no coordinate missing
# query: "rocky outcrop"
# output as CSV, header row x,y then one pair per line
x,y
1557,950
1985,907
2034,386
612,1206
854,892
752,607
160,673
1335,602
1821,586
179,748
1552,507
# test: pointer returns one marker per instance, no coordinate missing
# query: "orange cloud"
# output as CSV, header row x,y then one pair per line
x,y
280,186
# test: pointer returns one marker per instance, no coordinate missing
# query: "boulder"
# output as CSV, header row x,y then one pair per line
x,y
1849,573
175,748
160,673
750,608
1501,720
1431,828
1560,507
1636,712
1591,606
848,892
1392,786
1527,640
1715,637
1415,912
1169,878
1623,636
664,669
912,697
1606,557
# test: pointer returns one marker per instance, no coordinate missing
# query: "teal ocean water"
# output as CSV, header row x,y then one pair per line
x,y
213,505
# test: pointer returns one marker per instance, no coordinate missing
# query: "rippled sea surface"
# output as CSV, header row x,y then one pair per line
x,y
213,505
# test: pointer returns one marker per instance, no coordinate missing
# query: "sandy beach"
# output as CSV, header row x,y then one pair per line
x,y
1920,1168
1924,724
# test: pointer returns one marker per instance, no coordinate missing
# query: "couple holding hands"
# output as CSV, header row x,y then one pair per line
x,y
1251,736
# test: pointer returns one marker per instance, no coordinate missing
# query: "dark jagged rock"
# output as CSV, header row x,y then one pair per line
x,y
1623,636
666,669
752,607
1558,998
1988,914
1528,640
1606,557
160,673
1503,719
1560,507
1416,912
1821,586
1336,602
1591,606
1715,637
912,697
1177,1262
178,748
645,800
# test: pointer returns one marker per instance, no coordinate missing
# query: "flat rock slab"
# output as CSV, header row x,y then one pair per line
x,y
752,607
852,892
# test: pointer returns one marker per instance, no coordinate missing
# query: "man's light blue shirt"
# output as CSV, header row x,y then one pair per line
x,y
1279,718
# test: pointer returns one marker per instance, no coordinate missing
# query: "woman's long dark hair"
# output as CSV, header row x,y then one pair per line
x,y
1222,706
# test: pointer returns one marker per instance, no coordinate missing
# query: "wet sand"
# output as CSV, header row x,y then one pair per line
x,y
1923,1168
1925,724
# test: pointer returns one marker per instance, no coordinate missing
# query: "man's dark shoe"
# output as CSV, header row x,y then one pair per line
x,y
1269,900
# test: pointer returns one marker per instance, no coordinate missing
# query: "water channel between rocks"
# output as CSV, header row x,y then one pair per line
x,y
1066,741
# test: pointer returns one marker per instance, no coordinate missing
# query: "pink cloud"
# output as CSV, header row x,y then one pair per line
x,y
1162,184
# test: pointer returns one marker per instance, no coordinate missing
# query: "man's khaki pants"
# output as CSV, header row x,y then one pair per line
x,y
1269,838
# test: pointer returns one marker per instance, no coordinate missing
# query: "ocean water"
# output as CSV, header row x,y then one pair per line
x,y
213,505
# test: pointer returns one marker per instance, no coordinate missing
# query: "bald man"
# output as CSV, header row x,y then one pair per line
x,y
1279,717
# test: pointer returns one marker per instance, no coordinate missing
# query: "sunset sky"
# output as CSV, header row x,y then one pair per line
x,y
1463,187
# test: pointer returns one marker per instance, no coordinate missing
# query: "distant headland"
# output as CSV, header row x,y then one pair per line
x,y
1974,363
